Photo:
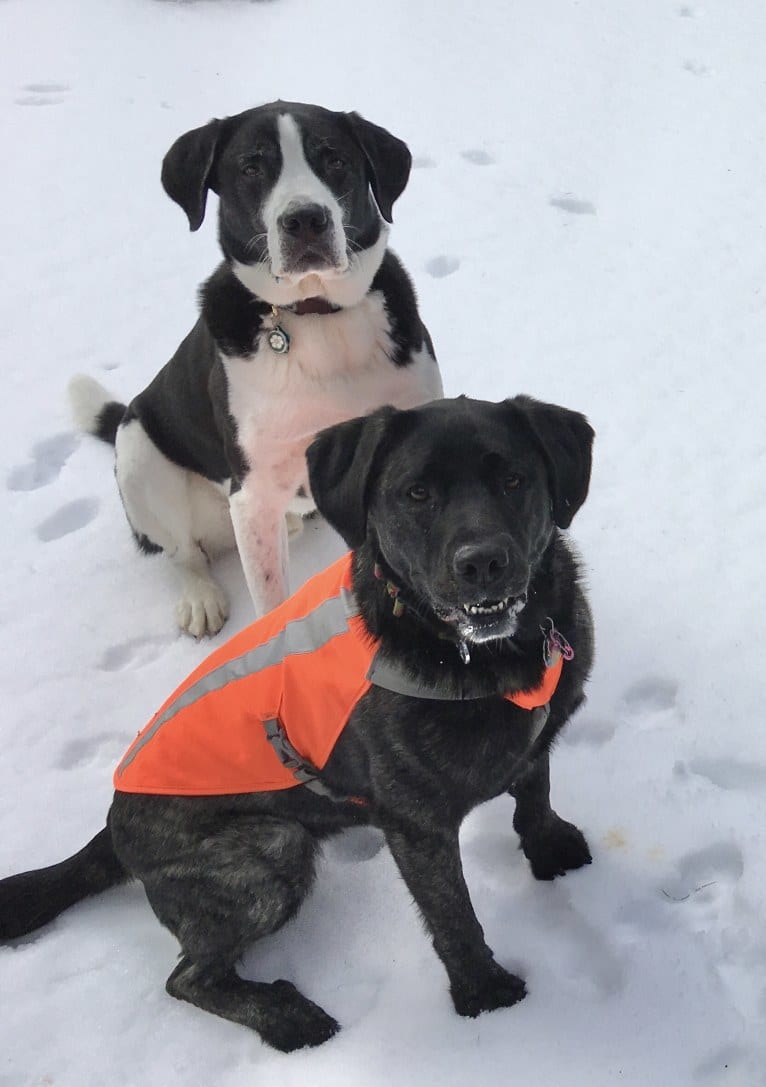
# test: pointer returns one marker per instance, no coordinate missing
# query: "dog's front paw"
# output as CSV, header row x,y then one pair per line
x,y
555,849
497,988
294,523
203,608
295,1022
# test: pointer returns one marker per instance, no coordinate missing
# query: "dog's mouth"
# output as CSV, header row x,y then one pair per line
x,y
485,620
488,607
310,263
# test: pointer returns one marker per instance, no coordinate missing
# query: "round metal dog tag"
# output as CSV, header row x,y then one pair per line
x,y
279,341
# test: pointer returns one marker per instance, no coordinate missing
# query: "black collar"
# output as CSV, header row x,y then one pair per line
x,y
316,305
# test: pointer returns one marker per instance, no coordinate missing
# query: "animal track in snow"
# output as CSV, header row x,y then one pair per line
x,y
47,459
105,748
701,872
572,204
477,156
423,162
696,68
654,694
581,951
71,517
133,654
590,731
43,94
355,844
442,266
728,773
723,1066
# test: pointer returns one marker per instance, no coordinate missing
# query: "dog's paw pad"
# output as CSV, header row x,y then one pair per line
x,y
572,204
70,518
477,156
46,460
132,654
442,266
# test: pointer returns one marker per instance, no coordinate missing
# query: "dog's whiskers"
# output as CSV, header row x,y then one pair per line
x,y
257,239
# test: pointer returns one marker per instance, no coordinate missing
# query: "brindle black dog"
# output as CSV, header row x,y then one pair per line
x,y
458,505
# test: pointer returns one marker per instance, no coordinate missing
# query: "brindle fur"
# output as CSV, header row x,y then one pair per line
x,y
221,872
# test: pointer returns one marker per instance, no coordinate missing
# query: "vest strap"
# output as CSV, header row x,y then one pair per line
x,y
304,772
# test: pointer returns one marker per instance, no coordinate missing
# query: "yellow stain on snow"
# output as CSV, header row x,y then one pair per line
x,y
615,838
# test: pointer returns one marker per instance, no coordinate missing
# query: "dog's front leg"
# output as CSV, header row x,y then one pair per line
x,y
258,516
551,845
432,870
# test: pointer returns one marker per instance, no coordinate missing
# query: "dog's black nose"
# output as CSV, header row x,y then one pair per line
x,y
482,565
307,221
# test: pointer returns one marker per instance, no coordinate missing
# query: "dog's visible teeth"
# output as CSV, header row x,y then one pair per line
x,y
488,609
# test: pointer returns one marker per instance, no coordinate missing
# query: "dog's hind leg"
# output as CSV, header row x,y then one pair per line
x,y
220,891
283,1017
174,510
551,845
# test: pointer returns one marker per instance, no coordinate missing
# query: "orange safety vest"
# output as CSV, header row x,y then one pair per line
x,y
265,710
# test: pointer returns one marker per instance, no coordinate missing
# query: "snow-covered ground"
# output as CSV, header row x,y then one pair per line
x,y
585,223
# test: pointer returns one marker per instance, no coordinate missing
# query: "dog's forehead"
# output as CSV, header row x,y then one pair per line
x,y
314,123
462,433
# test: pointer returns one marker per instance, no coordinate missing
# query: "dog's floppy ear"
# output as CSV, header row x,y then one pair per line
x,y
186,170
566,440
340,460
389,160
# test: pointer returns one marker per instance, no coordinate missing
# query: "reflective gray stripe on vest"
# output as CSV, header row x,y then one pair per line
x,y
305,635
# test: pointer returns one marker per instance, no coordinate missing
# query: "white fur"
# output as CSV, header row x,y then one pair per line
x,y
349,280
338,367
298,185
86,397
184,514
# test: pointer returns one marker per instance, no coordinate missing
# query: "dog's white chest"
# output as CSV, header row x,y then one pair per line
x,y
338,366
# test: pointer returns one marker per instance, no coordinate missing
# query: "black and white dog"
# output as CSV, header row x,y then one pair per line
x,y
308,321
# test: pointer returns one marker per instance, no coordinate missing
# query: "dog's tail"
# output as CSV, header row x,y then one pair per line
x,y
93,409
32,899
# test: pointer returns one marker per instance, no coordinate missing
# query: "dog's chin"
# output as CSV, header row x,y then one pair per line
x,y
487,622
310,265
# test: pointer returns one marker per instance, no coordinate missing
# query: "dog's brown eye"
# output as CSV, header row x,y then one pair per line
x,y
417,492
335,162
511,483
253,164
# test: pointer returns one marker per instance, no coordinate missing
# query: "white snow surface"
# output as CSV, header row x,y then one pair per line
x,y
584,223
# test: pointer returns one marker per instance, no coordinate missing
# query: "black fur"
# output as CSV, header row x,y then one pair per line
x,y
108,420
184,408
417,488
